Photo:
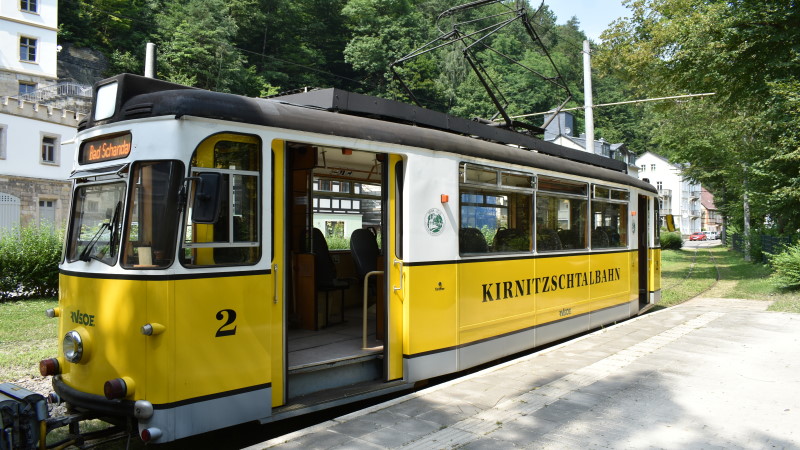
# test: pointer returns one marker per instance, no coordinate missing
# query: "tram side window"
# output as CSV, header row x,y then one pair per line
x,y
233,237
609,217
561,208
152,215
495,212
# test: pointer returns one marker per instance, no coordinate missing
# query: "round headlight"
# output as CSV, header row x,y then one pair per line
x,y
72,346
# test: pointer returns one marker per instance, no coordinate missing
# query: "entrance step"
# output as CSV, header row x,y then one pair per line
x,y
336,373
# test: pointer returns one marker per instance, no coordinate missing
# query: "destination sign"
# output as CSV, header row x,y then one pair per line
x,y
105,149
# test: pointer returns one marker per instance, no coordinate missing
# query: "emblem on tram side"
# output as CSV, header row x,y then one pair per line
x,y
434,221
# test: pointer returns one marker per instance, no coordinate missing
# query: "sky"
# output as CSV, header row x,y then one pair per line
x,y
594,15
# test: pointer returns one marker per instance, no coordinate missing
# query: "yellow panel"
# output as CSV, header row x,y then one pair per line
x,y
222,328
505,296
396,308
108,315
160,354
432,313
564,288
495,298
655,269
276,348
610,284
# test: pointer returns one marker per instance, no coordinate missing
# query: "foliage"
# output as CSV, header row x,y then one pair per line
x,y
742,142
787,267
337,243
29,262
671,240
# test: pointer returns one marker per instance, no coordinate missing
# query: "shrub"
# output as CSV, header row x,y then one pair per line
x,y
671,241
29,262
787,267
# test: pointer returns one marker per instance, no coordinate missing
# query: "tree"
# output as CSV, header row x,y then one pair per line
x,y
197,48
744,50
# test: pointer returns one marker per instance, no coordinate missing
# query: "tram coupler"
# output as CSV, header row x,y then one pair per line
x,y
23,415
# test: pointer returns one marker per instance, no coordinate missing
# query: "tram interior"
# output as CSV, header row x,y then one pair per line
x,y
335,229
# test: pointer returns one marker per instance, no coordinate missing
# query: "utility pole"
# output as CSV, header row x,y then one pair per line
x,y
587,95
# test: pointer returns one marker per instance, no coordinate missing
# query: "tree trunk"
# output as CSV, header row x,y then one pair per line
x,y
746,208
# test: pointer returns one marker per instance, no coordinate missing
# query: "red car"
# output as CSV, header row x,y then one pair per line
x,y
699,236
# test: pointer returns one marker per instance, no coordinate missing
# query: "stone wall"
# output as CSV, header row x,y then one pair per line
x,y
32,190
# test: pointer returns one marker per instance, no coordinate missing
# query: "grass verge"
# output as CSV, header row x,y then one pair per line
x,y
26,337
689,272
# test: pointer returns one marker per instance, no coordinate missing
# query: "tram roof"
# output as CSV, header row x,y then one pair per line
x,y
342,113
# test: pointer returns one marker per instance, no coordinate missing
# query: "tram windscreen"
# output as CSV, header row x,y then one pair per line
x,y
96,223
152,215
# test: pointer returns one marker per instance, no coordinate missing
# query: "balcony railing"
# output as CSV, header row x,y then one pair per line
x,y
665,192
72,96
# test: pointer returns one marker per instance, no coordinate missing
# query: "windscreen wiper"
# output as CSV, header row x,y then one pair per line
x,y
111,226
85,253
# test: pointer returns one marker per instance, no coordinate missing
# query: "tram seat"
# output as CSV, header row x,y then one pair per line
x,y
547,240
365,252
471,240
570,239
325,272
510,240
600,239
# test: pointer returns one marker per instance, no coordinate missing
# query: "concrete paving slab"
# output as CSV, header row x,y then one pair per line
x,y
711,373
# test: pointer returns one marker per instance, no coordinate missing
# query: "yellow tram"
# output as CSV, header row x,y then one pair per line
x,y
201,286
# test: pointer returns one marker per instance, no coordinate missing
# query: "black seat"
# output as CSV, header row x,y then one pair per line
x,y
365,251
325,272
511,240
547,240
471,240
600,239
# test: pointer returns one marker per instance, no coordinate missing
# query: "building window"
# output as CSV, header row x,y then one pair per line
x,y
47,213
643,167
3,133
652,167
27,49
659,185
26,88
31,6
49,144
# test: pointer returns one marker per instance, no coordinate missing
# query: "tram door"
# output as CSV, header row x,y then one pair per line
x,y
644,249
331,193
394,258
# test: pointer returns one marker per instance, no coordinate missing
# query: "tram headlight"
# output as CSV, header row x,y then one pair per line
x,y
72,346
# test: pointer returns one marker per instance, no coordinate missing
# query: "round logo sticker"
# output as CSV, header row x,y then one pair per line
x,y
434,221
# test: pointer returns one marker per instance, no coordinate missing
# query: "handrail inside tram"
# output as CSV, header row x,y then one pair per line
x,y
366,297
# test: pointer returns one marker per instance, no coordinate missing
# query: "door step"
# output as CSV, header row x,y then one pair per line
x,y
336,373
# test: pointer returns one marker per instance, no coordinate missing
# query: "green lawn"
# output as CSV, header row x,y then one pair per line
x,y
687,273
26,337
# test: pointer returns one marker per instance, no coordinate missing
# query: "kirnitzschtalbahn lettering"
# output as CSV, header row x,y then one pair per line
x,y
502,290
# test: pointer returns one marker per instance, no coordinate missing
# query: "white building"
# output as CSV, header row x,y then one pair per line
x,y
677,196
27,45
36,150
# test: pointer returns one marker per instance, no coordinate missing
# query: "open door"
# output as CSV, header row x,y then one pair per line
x,y
394,267
644,249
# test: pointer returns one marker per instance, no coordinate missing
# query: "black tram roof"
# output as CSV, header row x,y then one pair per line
x,y
346,114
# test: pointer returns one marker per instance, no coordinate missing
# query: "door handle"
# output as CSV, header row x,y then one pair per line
x,y
399,263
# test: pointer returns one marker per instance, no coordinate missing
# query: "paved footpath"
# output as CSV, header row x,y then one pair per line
x,y
711,373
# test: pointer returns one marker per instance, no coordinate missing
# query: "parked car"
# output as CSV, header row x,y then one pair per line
x,y
710,235
699,236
